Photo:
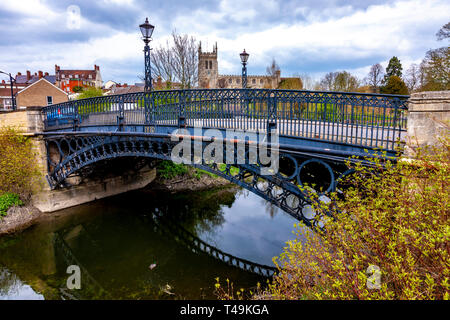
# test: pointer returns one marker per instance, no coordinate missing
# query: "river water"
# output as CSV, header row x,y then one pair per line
x,y
147,245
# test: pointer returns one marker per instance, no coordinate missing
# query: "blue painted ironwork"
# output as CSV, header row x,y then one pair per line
x,y
344,120
148,69
317,131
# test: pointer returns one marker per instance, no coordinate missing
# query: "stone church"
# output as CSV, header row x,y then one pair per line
x,y
209,77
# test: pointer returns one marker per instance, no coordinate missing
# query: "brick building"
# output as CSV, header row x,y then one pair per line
x,y
68,79
40,93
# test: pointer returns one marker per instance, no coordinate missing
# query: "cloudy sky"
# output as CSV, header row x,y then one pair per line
x,y
307,36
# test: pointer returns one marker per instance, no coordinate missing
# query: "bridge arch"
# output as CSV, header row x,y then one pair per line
x,y
318,132
67,155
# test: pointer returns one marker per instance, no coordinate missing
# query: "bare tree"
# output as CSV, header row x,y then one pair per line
x,y
162,60
414,77
185,60
273,68
177,61
308,82
444,32
339,81
375,77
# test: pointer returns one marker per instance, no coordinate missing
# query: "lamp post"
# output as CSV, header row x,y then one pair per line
x,y
13,102
147,30
244,57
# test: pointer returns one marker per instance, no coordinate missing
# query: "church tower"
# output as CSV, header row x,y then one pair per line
x,y
208,68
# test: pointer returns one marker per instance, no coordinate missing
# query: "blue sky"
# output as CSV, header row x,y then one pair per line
x,y
308,36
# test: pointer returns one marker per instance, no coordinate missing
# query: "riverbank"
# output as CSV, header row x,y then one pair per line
x,y
19,218
189,182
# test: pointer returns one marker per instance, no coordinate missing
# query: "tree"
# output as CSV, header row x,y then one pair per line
x,y
375,77
339,81
272,69
308,82
437,69
394,68
413,77
185,60
436,65
444,32
90,92
395,85
177,61
162,60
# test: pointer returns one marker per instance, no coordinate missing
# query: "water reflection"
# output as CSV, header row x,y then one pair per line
x,y
123,254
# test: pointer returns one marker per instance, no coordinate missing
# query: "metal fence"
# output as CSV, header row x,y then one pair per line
x,y
367,120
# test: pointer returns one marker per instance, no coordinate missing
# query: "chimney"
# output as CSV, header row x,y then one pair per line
x,y
96,67
19,73
46,74
125,85
40,74
57,68
28,75
3,81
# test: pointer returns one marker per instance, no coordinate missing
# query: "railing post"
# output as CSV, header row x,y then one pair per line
x,y
181,110
148,110
76,120
120,118
271,114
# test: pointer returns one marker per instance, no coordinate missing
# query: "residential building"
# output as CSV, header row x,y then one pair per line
x,y
69,80
5,97
40,93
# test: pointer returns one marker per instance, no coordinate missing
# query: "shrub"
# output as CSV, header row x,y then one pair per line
x,y
389,239
8,200
18,169
168,169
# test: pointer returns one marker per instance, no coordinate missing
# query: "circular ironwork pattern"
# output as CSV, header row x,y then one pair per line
x,y
76,153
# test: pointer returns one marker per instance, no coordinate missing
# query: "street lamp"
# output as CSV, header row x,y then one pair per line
x,y
147,30
244,57
13,102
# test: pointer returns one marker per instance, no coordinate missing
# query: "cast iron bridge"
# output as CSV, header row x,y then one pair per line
x,y
311,133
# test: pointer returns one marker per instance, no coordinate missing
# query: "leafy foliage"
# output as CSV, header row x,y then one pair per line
x,y
90,92
168,169
395,219
394,68
395,85
8,200
19,171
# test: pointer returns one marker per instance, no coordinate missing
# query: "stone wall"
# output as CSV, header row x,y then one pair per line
x,y
428,119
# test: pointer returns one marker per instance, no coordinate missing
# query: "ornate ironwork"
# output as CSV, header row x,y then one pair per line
x,y
317,132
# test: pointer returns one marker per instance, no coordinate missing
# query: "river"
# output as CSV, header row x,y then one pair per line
x,y
147,245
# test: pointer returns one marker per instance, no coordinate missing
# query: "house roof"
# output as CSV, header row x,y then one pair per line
x,y
42,79
127,89
6,92
22,79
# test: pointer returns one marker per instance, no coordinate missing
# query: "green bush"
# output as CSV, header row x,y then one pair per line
x,y
8,200
169,169
19,172
395,220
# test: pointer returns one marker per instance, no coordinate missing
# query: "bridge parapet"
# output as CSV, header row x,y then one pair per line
x,y
428,119
341,118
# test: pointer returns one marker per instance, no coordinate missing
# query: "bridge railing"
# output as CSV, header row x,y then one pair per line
x,y
367,120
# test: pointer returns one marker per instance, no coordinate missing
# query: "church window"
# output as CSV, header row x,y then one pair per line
x,y
206,64
210,64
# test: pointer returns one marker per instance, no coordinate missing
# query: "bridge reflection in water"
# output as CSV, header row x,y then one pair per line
x,y
316,132
114,244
